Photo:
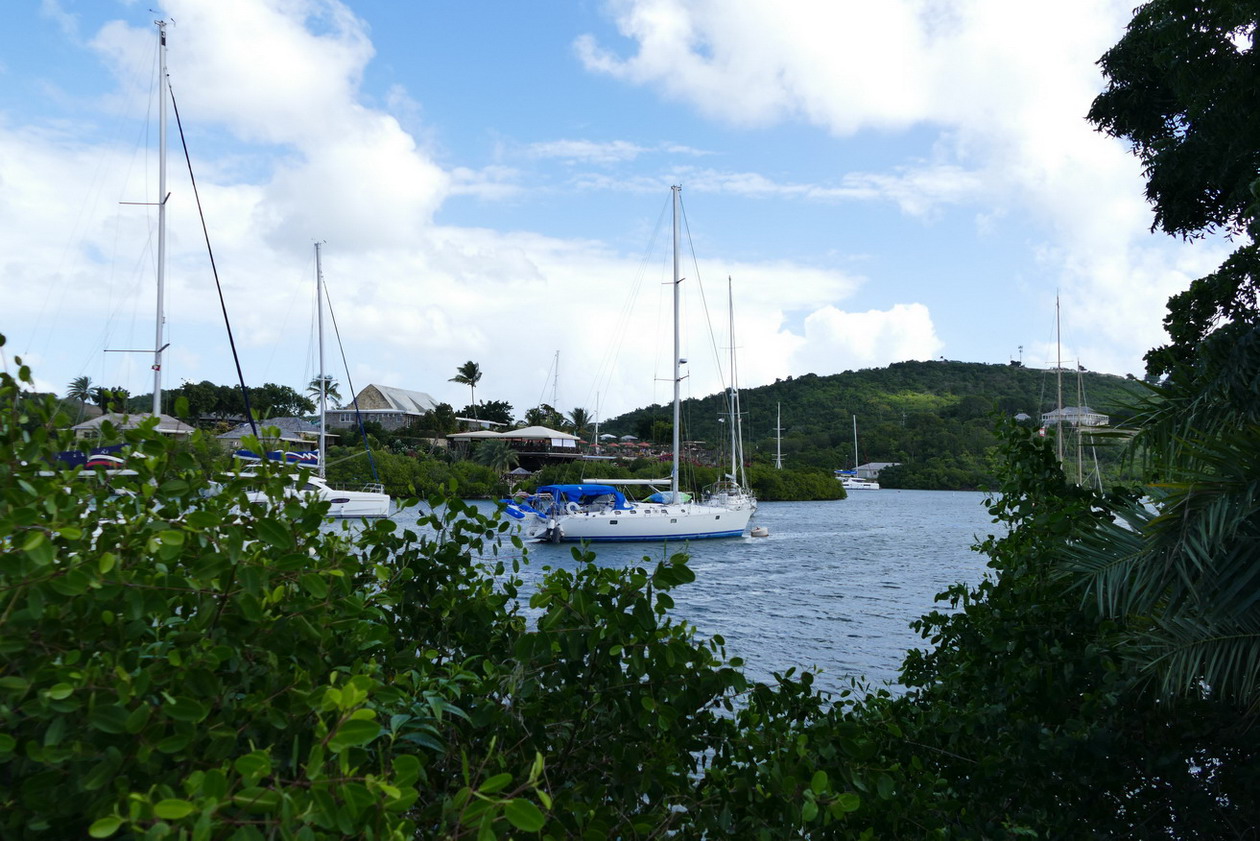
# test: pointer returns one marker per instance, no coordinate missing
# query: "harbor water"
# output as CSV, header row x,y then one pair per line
x,y
832,589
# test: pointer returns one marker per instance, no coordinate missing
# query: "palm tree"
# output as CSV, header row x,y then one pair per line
x,y
469,374
330,389
80,388
581,420
1182,558
497,455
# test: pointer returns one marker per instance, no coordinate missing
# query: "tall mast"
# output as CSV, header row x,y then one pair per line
x,y
734,401
323,381
1058,369
158,345
673,472
855,451
778,436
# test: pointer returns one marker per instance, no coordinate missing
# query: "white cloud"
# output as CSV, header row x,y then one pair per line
x,y
837,341
588,151
303,154
1004,85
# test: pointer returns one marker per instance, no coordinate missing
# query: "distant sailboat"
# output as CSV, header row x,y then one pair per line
x,y
733,489
850,479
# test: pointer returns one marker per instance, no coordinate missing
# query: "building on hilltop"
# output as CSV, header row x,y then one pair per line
x,y
392,408
1074,416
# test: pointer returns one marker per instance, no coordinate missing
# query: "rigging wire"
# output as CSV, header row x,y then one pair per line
x,y
613,349
249,414
350,383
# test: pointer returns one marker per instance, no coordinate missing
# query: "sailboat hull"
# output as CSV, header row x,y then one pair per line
x,y
644,523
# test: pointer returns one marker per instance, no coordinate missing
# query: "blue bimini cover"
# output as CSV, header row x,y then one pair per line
x,y
584,494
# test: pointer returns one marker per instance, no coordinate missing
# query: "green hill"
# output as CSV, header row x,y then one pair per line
x,y
933,418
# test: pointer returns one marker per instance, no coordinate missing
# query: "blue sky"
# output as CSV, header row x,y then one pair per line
x,y
889,181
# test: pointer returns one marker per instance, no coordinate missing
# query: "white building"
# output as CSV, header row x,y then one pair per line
x,y
1074,416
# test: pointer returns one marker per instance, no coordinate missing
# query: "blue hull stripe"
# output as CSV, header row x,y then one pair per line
x,y
705,535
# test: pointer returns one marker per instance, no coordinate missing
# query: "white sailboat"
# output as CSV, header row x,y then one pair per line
x,y
850,479
371,501
598,511
733,490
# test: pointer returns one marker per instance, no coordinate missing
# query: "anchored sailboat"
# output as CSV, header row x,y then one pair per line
x,y
850,479
598,511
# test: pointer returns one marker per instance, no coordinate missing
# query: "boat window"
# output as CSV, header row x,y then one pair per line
x,y
612,522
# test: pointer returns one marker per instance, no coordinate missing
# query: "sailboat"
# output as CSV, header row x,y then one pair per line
x,y
598,511
733,489
368,503
850,479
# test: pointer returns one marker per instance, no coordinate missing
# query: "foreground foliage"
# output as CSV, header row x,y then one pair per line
x,y
184,665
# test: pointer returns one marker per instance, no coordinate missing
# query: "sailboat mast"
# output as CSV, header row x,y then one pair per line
x,y
158,345
323,381
778,436
855,451
734,396
1058,368
673,471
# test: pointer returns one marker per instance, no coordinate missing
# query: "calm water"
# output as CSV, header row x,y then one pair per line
x,y
833,588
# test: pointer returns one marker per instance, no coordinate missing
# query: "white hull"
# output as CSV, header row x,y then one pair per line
x,y
341,504
690,521
859,484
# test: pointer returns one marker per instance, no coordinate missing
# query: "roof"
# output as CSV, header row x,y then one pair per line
x,y
388,398
1075,415
166,423
538,433
291,429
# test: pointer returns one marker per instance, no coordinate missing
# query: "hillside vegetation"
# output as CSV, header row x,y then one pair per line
x,y
935,419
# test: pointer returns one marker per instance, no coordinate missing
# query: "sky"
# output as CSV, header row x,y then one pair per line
x,y
490,181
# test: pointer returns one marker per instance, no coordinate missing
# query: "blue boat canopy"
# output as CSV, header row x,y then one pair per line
x,y
585,494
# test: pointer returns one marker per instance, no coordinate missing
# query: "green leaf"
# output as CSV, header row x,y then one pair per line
x,y
884,786
171,537
315,585
524,815
496,783
172,809
353,733
186,709
406,769
59,691
819,782
105,827
809,810
846,802
38,548
257,799
275,533
13,683
253,765
110,719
